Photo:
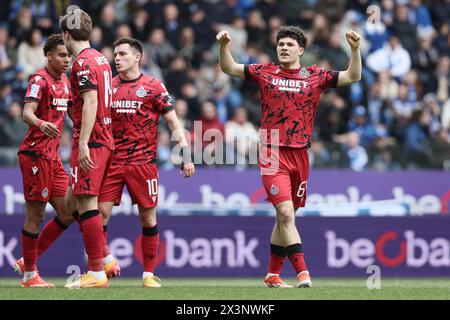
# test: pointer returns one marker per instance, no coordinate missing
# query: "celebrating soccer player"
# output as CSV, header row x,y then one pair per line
x,y
44,177
290,96
138,102
92,138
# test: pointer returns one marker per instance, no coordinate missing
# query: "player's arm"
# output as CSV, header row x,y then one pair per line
x,y
353,72
178,133
227,63
89,115
29,117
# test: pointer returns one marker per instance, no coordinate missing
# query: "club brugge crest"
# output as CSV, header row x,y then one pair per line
x,y
274,190
141,92
303,73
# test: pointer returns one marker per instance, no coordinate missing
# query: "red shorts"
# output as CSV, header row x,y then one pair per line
x,y
42,179
141,181
90,182
285,174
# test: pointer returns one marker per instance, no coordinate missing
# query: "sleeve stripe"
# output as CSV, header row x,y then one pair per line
x,y
247,72
334,81
88,88
169,108
27,99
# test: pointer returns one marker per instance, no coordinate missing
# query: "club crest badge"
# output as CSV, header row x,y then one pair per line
x,y
303,73
141,92
274,190
44,193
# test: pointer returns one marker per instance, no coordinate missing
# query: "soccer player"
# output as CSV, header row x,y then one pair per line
x,y
290,95
138,102
92,138
44,177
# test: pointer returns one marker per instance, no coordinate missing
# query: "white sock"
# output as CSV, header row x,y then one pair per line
x,y
271,274
99,275
28,275
108,259
147,274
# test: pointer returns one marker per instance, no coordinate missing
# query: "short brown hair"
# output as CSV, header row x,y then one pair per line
x,y
78,23
52,42
134,43
294,33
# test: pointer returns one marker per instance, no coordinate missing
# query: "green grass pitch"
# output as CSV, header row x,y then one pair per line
x,y
236,289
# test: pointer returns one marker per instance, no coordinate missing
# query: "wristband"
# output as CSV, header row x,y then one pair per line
x,y
39,123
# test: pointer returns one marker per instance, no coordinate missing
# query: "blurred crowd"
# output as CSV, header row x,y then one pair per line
x,y
396,117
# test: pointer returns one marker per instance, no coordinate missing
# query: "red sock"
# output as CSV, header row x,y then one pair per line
x,y
297,257
92,227
105,242
51,231
277,258
29,250
150,245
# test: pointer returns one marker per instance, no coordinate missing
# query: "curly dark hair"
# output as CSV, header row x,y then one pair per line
x,y
294,33
52,42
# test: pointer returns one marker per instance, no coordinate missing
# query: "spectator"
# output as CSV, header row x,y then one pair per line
x,y
209,134
403,29
241,138
171,23
97,38
164,150
181,108
158,48
6,99
392,57
417,148
6,50
421,17
13,129
30,55
334,53
22,26
356,155
176,76
359,124
107,23
140,25
256,27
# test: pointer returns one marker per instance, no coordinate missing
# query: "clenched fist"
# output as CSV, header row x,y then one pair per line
x,y
223,37
353,39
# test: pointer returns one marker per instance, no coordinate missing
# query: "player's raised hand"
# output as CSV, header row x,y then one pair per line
x,y
353,39
223,37
188,169
49,129
84,158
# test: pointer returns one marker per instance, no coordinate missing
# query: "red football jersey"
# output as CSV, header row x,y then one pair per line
x,y
91,71
137,105
289,100
53,98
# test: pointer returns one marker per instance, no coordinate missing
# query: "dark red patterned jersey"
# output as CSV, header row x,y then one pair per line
x,y
91,71
289,100
53,98
137,105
